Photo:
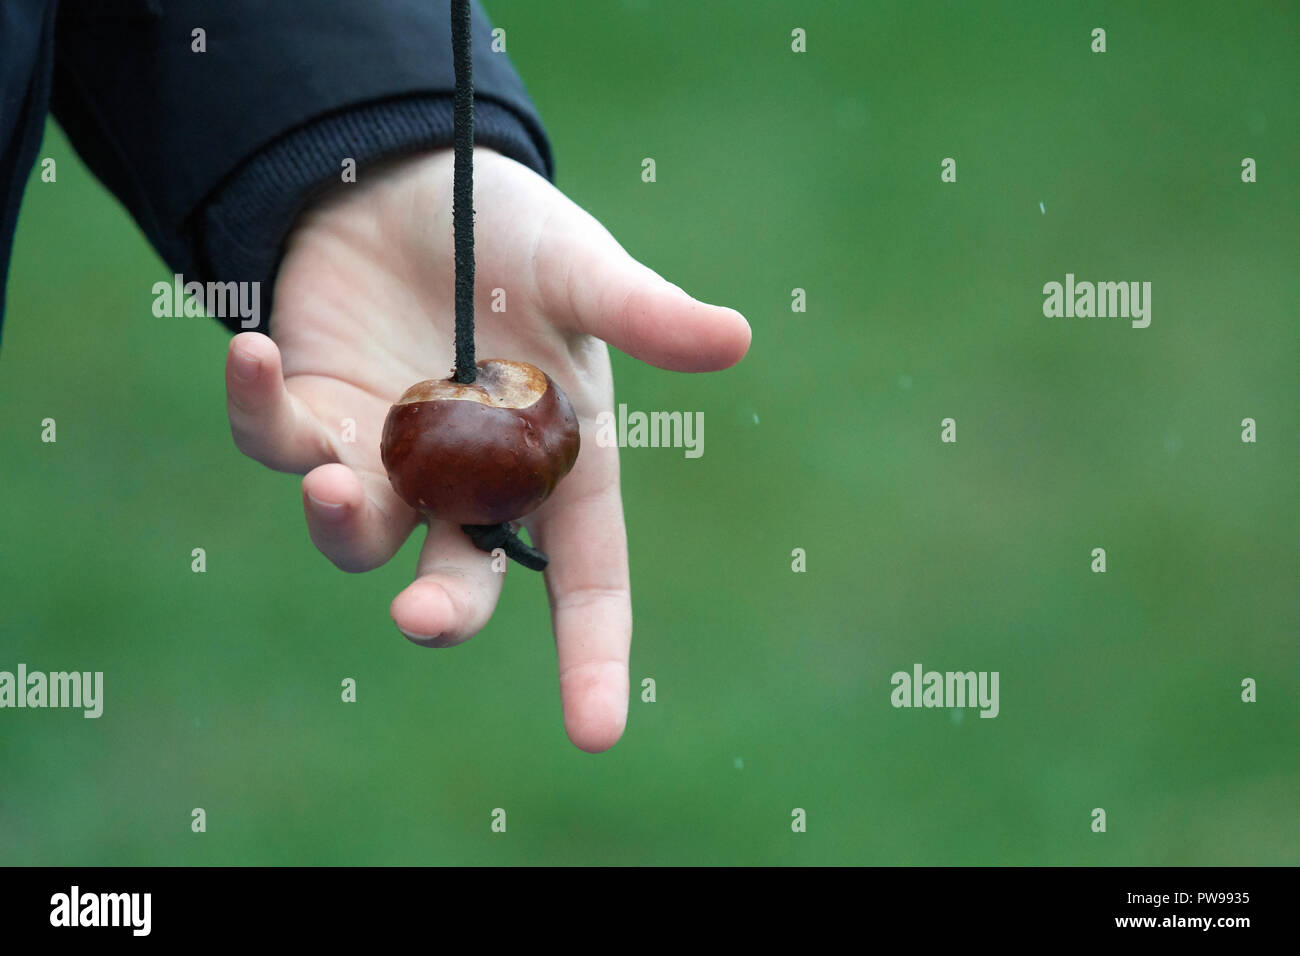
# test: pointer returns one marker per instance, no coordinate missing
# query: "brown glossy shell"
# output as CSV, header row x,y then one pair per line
x,y
475,454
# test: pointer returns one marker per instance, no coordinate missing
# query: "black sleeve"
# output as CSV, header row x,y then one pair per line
x,y
214,153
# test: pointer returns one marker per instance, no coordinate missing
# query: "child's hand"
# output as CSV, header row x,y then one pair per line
x,y
363,309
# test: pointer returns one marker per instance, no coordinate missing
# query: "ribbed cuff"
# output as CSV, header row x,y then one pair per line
x,y
242,230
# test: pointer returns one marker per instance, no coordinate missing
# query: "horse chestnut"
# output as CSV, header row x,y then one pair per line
x,y
481,453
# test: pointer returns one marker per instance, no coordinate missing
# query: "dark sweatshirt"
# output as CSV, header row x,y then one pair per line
x,y
214,153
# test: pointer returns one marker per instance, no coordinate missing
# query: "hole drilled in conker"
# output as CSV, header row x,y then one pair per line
x,y
480,453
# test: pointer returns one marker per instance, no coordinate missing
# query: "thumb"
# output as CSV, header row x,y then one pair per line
x,y
590,284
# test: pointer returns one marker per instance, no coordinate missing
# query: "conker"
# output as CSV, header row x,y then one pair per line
x,y
481,453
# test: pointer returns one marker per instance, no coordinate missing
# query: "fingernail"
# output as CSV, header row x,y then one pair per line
x,y
327,509
245,366
424,640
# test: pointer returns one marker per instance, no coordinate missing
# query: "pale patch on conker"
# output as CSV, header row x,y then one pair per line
x,y
500,383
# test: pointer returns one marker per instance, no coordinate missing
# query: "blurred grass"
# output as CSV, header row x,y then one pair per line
x,y
774,171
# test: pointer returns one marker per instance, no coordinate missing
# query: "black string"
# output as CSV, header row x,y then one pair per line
x,y
462,190
486,537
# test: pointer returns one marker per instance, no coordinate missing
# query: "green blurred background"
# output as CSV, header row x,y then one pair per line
x,y
775,171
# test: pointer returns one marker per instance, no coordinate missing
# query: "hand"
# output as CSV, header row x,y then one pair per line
x,y
363,309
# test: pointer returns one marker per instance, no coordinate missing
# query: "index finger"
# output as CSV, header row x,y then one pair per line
x,y
581,530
